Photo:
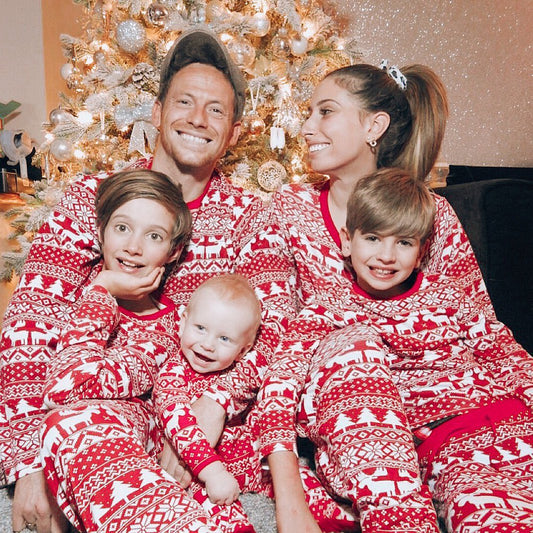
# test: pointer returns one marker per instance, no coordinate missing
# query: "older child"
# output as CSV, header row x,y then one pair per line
x,y
100,448
466,384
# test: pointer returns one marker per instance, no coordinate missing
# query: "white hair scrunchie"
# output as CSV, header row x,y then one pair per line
x,y
395,73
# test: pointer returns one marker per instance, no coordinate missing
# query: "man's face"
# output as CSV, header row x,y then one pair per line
x,y
195,121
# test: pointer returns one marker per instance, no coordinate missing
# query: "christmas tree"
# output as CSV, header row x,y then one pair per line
x,y
284,48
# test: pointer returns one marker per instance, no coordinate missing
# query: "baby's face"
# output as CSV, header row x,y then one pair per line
x,y
215,333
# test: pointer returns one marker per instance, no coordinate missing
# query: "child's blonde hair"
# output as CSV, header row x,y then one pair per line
x,y
391,201
233,288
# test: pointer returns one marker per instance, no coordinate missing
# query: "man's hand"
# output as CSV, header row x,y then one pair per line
x,y
128,287
211,417
170,461
34,505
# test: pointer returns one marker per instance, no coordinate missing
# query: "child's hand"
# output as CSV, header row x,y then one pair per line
x,y
127,286
222,488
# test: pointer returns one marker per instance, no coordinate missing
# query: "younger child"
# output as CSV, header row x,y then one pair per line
x,y
466,384
217,329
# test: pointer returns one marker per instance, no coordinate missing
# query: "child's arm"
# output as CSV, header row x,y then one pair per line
x,y
86,366
174,388
221,486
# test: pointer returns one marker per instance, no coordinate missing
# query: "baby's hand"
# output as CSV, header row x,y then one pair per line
x,y
128,287
222,488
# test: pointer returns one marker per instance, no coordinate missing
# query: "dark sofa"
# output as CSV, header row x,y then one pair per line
x,y
497,215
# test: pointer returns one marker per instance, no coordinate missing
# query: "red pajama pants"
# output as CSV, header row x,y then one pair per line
x,y
480,469
100,461
352,412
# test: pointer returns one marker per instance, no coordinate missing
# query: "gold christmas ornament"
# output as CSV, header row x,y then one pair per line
x,y
58,115
271,175
299,46
130,36
242,51
256,125
157,14
281,44
66,70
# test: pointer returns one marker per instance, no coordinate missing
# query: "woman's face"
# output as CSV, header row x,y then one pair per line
x,y
336,132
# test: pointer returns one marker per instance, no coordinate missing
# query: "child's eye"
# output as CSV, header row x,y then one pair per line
x,y
405,242
199,327
121,227
224,338
371,238
156,237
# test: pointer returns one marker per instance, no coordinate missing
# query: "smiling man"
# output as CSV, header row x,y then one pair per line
x,y
198,113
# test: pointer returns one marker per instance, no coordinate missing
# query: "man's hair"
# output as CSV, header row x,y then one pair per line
x,y
391,201
202,46
233,288
116,190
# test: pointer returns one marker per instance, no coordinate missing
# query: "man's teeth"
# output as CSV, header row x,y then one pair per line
x,y
193,138
317,147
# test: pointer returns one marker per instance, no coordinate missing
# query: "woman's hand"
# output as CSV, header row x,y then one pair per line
x,y
171,462
34,508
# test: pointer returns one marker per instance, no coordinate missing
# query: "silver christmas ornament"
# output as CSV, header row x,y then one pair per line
x,y
130,36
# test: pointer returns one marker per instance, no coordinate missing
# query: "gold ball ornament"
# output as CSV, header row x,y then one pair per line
x,y
281,44
299,46
157,14
271,175
58,115
256,125
242,52
66,70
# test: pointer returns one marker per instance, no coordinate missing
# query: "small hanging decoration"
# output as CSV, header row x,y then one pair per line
x,y
242,52
256,125
281,43
277,138
61,149
299,46
271,175
261,24
58,115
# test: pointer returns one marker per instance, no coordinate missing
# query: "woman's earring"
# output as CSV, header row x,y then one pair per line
x,y
372,142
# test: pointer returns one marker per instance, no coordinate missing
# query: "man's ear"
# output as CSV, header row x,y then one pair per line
x,y
156,114
346,242
235,134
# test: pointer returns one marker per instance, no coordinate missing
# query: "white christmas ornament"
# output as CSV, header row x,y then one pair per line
x,y
61,149
261,24
270,175
131,36
299,46
66,70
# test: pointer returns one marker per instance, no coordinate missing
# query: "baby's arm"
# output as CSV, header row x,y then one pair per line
x,y
222,488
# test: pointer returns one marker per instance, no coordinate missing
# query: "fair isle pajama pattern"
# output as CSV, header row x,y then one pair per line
x,y
387,480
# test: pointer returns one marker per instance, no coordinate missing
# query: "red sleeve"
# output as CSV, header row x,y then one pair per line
x,y
172,400
59,264
97,358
